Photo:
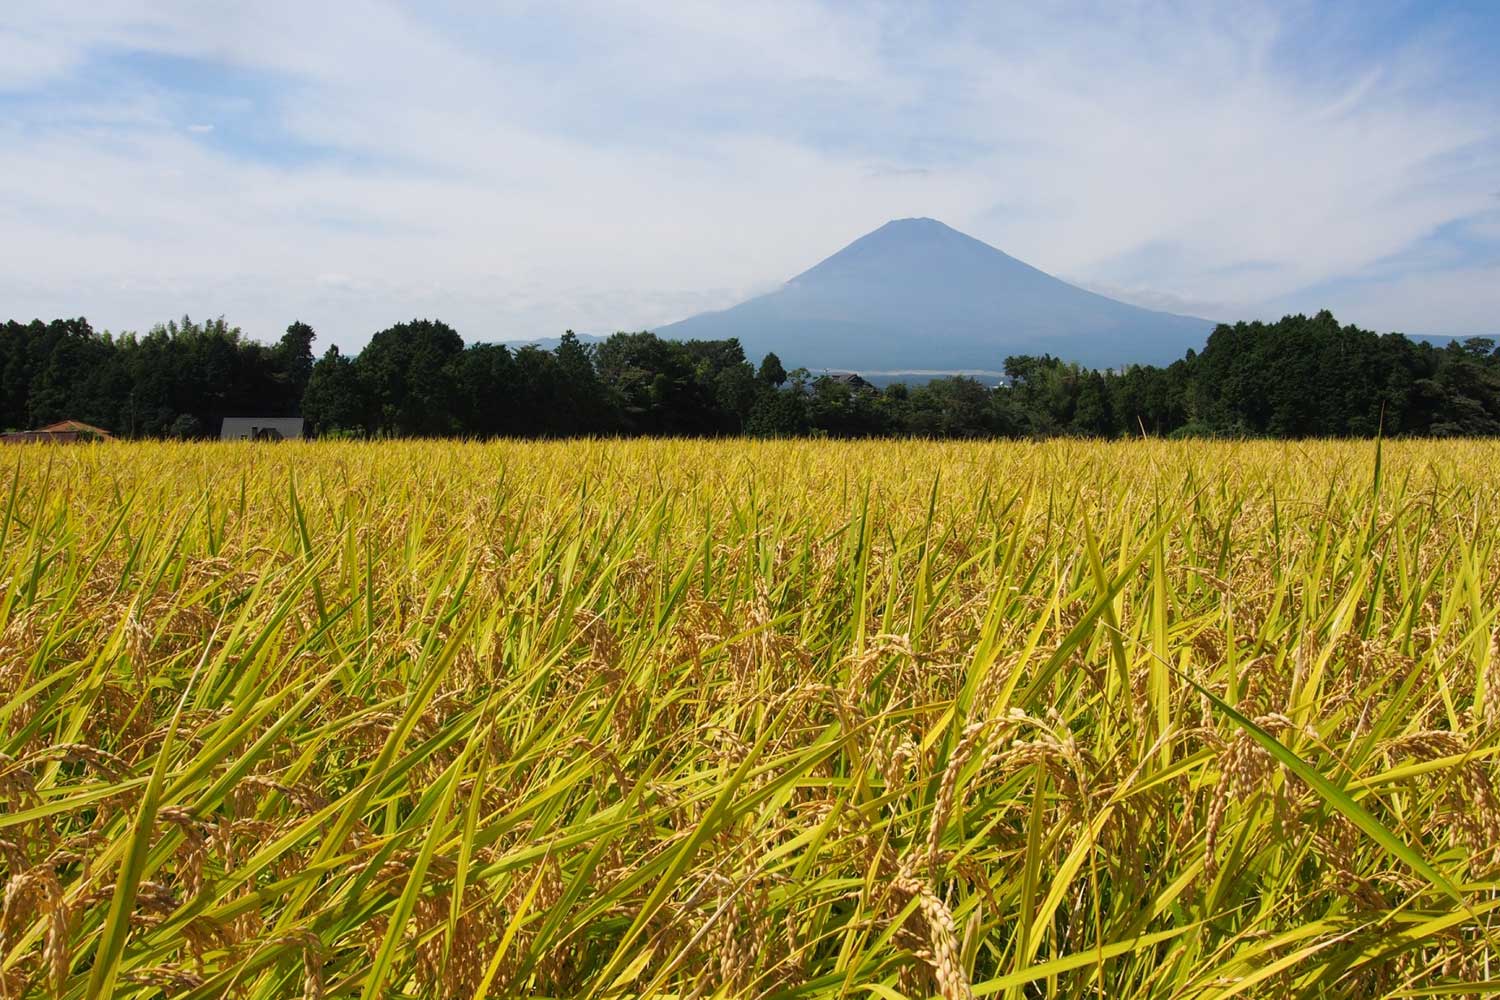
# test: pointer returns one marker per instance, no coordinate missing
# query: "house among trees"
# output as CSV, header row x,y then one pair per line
x,y
260,428
851,380
62,432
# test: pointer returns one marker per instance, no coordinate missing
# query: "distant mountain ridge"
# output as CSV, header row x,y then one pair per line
x,y
916,294
549,343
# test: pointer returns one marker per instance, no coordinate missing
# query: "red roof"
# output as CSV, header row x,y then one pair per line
x,y
75,426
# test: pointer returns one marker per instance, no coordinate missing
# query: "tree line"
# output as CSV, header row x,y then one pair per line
x,y
1298,377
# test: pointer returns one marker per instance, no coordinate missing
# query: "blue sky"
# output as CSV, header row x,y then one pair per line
x,y
519,168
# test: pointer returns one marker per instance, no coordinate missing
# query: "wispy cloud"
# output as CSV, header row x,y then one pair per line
x,y
522,168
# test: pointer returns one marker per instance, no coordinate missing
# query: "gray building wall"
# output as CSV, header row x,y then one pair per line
x,y
260,428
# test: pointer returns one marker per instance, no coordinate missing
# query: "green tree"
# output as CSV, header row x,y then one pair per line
x,y
582,405
334,400
294,356
1091,410
771,372
955,407
779,413
408,374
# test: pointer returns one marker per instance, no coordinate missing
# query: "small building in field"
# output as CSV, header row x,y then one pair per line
x,y
261,428
62,432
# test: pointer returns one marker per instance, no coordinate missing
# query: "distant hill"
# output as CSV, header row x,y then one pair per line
x,y
918,295
550,343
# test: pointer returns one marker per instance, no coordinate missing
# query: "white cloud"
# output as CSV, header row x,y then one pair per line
x,y
1462,301
518,170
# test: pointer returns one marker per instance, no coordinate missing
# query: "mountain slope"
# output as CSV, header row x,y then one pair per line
x,y
916,294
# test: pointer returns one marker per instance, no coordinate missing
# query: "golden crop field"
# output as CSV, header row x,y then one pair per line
x,y
784,719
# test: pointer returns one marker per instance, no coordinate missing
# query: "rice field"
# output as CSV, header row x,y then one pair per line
x,y
731,719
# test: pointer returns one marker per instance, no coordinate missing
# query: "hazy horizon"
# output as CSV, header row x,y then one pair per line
x,y
520,171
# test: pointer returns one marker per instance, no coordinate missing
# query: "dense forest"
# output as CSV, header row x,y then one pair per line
x,y
1299,377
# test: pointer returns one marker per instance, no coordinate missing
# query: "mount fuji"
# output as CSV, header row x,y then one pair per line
x,y
918,296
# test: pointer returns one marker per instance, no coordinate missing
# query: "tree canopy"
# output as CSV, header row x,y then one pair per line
x,y
1298,377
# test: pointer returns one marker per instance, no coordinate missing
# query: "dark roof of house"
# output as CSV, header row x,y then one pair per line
x,y
850,379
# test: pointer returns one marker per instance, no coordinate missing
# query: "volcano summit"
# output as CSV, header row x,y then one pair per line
x,y
916,295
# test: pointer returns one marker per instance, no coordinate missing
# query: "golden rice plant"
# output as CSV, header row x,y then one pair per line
x,y
733,719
